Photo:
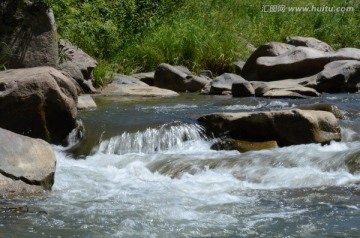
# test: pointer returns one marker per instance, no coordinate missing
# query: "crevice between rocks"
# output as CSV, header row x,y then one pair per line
x,y
46,183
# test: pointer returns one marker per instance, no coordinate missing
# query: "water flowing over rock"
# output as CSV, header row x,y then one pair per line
x,y
27,29
178,79
249,70
38,102
310,42
287,127
168,136
123,85
27,165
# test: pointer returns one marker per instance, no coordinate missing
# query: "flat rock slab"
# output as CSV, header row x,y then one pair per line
x,y
286,127
123,85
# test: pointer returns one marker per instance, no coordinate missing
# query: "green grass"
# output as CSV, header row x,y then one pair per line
x,y
137,35
210,34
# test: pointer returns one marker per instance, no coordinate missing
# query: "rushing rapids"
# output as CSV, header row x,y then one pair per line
x,y
148,171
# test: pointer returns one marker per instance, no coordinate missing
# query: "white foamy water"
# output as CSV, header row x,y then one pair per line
x,y
162,179
190,190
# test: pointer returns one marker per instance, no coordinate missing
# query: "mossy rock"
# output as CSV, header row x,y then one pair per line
x,y
243,146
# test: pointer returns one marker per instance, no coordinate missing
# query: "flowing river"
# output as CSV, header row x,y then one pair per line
x,y
144,168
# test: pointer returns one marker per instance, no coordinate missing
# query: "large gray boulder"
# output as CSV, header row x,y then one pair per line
x,y
123,85
178,79
38,102
309,42
27,165
338,76
300,62
287,127
28,31
271,49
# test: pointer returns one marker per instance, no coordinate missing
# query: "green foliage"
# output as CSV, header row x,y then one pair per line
x,y
5,55
137,35
207,34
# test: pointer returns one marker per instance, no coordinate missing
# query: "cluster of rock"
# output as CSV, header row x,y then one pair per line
x,y
39,93
303,67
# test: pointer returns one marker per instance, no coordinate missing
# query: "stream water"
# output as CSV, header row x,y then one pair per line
x,y
144,168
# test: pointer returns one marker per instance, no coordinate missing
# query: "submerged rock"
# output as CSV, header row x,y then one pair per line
x,y
27,166
286,127
243,146
353,163
38,102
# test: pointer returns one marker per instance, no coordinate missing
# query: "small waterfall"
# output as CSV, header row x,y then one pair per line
x,y
76,135
168,136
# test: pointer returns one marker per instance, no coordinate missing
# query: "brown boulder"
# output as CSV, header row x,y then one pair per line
x,y
38,102
27,165
287,127
28,30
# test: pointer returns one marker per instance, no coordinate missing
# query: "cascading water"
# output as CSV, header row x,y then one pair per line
x,y
151,173
169,135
